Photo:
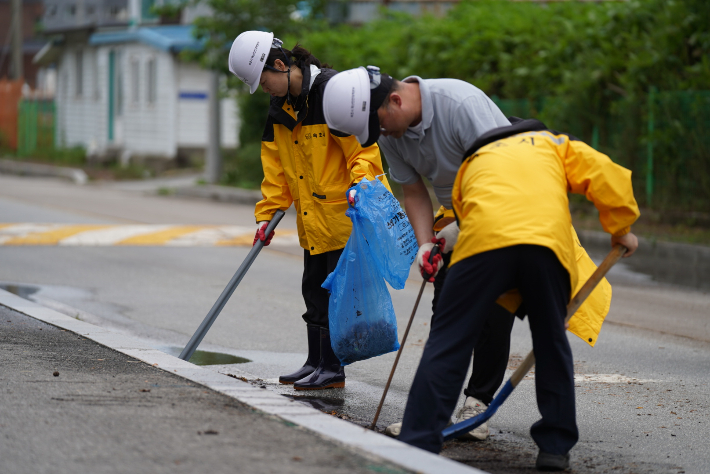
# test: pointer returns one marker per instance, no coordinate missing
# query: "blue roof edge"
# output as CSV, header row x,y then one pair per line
x,y
169,38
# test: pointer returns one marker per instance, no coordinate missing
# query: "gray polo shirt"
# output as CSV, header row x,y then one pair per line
x,y
454,114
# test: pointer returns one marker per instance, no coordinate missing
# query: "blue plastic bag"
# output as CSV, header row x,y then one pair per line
x,y
385,223
360,313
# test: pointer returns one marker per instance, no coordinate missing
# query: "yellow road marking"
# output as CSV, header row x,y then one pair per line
x,y
247,240
161,237
52,237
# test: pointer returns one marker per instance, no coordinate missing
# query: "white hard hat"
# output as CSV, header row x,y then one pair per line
x,y
346,102
248,56
351,100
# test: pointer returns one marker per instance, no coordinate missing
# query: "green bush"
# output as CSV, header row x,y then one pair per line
x,y
582,67
242,167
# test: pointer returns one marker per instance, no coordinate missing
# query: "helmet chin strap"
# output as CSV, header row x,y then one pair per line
x,y
288,91
277,43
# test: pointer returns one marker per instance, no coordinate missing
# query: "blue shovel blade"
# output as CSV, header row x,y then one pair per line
x,y
454,431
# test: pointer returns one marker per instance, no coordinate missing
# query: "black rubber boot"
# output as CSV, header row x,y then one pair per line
x,y
313,357
329,373
552,462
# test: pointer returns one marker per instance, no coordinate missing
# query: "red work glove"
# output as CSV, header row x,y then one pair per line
x,y
426,268
261,234
351,197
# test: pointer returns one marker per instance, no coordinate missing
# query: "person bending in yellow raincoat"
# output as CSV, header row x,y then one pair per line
x,y
511,203
311,166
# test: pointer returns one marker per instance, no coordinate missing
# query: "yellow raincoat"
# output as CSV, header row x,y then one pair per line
x,y
311,166
513,191
587,322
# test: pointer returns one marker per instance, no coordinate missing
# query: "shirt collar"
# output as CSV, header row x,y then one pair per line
x,y
427,108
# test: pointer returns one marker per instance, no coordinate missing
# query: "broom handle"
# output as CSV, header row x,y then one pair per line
x,y
616,253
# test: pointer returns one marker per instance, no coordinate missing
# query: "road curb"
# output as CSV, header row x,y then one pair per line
x,y
685,264
361,439
686,253
36,169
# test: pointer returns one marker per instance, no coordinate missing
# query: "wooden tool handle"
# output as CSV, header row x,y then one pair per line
x,y
616,253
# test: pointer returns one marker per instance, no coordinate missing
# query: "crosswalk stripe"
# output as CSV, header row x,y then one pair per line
x,y
51,236
160,237
67,235
212,236
110,235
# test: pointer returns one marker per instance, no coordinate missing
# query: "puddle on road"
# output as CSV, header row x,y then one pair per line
x,y
206,357
198,358
23,291
323,404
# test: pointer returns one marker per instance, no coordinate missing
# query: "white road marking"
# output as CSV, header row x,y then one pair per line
x,y
111,235
165,235
610,378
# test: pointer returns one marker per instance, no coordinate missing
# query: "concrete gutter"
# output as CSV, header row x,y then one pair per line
x,y
348,434
35,169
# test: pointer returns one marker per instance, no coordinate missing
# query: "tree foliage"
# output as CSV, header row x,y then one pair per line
x,y
587,65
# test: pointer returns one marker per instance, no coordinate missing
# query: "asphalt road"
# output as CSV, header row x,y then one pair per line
x,y
642,397
70,405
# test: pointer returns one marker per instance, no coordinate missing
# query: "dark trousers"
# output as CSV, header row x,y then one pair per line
x,y
316,269
491,352
471,287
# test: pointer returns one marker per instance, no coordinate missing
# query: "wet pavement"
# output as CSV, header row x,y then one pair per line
x,y
642,395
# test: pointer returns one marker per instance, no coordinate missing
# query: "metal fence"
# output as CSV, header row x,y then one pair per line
x,y
36,126
661,137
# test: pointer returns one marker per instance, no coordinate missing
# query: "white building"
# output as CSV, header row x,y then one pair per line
x,y
127,93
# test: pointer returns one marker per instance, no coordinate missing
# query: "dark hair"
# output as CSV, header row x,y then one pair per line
x,y
301,55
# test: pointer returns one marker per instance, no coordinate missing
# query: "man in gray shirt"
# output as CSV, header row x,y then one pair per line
x,y
425,128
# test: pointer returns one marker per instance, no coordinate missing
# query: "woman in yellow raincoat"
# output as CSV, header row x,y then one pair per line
x,y
311,166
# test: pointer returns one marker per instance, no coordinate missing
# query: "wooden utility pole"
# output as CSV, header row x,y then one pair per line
x,y
17,71
213,162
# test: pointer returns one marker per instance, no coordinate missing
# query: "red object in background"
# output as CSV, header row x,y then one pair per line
x,y
10,95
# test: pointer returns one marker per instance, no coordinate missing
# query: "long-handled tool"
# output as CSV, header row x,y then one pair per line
x,y
465,426
434,251
231,286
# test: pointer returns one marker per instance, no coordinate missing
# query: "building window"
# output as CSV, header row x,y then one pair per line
x,y
135,81
152,80
51,11
79,73
70,10
90,10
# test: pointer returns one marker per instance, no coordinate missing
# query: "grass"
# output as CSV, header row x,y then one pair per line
x,y
74,156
